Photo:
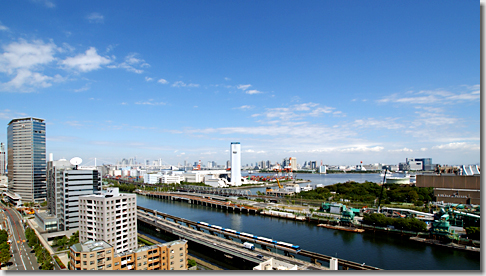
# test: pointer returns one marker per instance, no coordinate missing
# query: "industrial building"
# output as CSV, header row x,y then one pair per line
x,y
457,189
111,217
26,147
100,255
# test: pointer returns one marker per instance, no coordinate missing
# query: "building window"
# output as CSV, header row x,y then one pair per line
x,y
91,263
84,255
84,262
117,263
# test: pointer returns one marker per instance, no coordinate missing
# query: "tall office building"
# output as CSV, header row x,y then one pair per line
x,y
111,217
26,149
236,163
3,159
65,184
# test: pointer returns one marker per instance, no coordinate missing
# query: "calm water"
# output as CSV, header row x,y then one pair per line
x,y
387,252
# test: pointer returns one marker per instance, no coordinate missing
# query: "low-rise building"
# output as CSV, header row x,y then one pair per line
x,y
99,255
273,264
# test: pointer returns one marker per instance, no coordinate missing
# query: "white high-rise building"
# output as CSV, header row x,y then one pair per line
x,y
111,217
235,152
65,184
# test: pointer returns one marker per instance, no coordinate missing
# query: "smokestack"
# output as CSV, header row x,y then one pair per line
x,y
95,161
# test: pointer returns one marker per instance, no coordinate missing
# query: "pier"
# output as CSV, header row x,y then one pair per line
x,y
204,200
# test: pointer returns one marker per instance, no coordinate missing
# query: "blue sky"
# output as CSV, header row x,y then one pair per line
x,y
337,81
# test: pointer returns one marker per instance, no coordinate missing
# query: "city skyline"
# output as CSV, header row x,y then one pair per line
x,y
339,82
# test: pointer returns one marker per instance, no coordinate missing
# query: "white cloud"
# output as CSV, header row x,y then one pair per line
x,y
130,64
148,79
401,150
3,27
227,79
458,145
8,114
95,18
244,107
388,123
433,97
182,84
84,88
243,86
46,3
252,92
25,55
163,81
86,62
150,102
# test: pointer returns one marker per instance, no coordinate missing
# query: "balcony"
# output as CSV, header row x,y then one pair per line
x,y
124,262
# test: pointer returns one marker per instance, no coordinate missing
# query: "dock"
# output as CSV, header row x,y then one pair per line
x,y
448,245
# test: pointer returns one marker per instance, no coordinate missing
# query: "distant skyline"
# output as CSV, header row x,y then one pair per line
x,y
337,81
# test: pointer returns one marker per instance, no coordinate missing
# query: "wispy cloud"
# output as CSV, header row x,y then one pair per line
x,y
243,86
95,18
251,92
150,102
244,107
182,84
132,64
400,150
84,88
148,79
163,81
433,97
458,145
86,62
3,27
8,114
46,3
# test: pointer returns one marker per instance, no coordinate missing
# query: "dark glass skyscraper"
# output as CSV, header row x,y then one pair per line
x,y
26,148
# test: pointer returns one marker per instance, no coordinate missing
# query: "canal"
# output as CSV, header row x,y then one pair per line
x,y
379,250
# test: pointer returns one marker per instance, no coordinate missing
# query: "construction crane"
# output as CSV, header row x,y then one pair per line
x,y
198,168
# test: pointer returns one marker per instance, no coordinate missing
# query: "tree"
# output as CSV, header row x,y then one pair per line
x,y
4,253
191,263
3,236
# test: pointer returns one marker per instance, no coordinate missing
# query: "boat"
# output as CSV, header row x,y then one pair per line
x,y
343,228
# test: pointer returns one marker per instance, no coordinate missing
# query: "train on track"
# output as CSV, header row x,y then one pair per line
x,y
251,236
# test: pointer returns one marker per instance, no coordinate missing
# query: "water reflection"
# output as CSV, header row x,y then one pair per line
x,y
378,249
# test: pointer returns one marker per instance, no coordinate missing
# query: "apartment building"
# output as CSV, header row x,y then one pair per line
x,y
111,217
99,255
65,184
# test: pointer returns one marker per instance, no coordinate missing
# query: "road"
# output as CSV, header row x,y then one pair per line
x,y
22,258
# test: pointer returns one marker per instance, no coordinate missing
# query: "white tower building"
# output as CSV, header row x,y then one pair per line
x,y
235,152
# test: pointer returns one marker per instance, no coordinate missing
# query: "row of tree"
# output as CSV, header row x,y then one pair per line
x,y
4,248
42,255
64,242
408,224
368,192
